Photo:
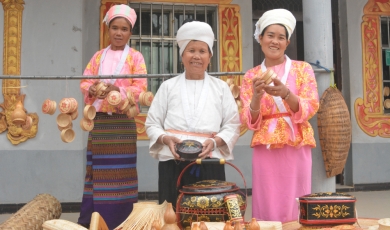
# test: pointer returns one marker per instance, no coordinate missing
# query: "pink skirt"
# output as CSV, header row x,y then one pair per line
x,y
279,176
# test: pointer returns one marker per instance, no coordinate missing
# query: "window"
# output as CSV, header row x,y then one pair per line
x,y
155,31
385,62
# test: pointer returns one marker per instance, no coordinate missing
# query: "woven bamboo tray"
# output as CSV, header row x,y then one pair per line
x,y
33,214
334,128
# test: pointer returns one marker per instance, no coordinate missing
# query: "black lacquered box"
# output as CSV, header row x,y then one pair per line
x,y
327,209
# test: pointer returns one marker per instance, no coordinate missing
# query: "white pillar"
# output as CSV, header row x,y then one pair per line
x,y
317,27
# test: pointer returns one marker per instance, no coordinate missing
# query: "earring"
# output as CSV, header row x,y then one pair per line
x,y
209,69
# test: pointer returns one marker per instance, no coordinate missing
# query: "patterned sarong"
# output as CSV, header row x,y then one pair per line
x,y
111,184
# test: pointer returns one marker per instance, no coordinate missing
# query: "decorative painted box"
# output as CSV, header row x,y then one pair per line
x,y
206,201
327,209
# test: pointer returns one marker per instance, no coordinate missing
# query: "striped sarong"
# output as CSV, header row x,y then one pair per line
x,y
111,183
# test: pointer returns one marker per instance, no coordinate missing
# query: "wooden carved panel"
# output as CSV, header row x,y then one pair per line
x,y
13,11
230,44
369,111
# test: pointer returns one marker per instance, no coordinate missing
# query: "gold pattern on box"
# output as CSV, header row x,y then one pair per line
x,y
330,211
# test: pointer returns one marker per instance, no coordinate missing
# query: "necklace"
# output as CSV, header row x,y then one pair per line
x,y
281,66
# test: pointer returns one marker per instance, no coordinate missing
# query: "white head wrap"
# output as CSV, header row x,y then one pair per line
x,y
276,16
195,30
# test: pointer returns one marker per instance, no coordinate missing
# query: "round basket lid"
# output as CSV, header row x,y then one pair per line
x,y
189,149
209,186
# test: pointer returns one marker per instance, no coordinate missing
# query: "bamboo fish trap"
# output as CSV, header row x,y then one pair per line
x,y
143,216
334,128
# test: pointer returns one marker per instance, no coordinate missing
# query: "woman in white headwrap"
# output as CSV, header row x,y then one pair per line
x,y
194,106
278,114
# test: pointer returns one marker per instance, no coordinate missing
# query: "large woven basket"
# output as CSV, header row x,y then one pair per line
x,y
33,214
334,128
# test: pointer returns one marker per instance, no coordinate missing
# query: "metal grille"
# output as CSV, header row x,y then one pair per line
x,y
291,5
154,35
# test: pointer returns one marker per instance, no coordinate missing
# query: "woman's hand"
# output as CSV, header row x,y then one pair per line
x,y
258,85
277,90
92,89
208,147
171,142
110,87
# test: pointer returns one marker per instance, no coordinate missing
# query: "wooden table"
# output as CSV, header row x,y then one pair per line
x,y
362,223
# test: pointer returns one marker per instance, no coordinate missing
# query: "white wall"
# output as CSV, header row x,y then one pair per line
x,y
52,44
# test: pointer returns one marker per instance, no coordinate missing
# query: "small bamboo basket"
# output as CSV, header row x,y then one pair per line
x,y
335,131
33,214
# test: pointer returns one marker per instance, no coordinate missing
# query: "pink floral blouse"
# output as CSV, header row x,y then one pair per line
x,y
134,64
301,81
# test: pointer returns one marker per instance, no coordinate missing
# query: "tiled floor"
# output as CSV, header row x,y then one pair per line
x,y
374,204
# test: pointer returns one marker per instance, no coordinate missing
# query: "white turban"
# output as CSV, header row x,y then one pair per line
x,y
195,30
276,16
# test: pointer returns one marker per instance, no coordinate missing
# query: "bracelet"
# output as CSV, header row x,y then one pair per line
x,y
215,143
162,138
287,95
250,108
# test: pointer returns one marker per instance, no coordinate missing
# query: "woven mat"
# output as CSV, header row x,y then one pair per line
x,y
363,223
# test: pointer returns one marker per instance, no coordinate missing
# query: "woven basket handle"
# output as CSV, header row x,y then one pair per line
x,y
211,161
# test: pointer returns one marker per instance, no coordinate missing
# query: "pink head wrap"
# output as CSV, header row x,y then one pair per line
x,y
120,11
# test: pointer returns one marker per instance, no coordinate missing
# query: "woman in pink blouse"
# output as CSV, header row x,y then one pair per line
x,y
278,114
111,183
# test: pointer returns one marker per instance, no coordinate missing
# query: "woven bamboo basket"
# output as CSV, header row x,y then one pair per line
x,y
334,128
33,214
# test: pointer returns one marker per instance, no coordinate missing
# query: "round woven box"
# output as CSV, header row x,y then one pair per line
x,y
114,98
335,131
67,127
67,135
33,214
64,120
146,98
49,107
130,97
125,106
268,76
89,112
67,105
74,115
386,91
235,90
386,103
86,124
100,87
132,111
